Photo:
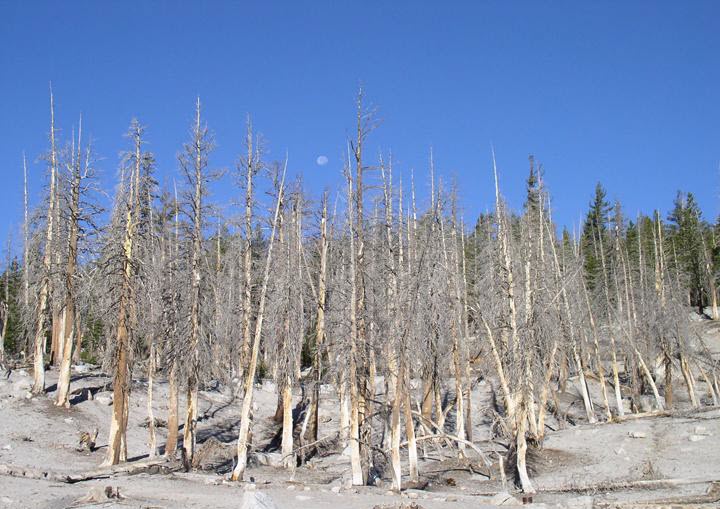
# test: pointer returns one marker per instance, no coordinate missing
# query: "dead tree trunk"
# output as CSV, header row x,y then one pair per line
x,y
117,443
70,320
243,435
45,285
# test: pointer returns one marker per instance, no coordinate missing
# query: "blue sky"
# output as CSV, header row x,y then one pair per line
x,y
627,93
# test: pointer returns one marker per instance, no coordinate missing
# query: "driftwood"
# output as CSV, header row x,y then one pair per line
x,y
152,466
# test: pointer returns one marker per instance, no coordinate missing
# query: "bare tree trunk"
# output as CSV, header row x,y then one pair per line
x,y
689,380
152,439
117,443
69,318
287,430
45,286
358,478
244,432
172,436
250,168
320,321
199,148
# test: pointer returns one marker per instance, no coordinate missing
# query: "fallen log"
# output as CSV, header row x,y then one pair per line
x,y
158,466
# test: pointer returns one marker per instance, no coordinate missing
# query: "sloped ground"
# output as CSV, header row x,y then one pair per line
x,y
603,465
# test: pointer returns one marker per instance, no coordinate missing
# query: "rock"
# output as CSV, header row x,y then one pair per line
x,y
7,447
99,495
291,487
6,500
335,489
504,498
257,500
104,398
82,368
697,438
69,420
302,497
637,434
269,459
701,430
451,498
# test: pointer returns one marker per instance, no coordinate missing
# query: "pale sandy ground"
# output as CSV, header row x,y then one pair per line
x,y
581,465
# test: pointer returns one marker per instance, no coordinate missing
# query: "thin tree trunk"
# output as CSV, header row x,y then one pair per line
x,y
244,433
172,436
45,285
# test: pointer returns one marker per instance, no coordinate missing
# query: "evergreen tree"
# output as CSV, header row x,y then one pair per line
x,y
594,236
686,233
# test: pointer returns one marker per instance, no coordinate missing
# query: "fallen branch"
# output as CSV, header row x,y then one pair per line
x,y
154,466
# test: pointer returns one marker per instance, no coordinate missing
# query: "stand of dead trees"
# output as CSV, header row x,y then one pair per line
x,y
389,301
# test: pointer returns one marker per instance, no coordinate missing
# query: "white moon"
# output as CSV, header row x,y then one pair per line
x,y
321,160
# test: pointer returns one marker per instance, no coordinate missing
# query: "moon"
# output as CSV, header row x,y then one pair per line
x,y
321,160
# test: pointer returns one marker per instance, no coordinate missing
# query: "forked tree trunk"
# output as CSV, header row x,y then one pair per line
x,y
244,433
689,380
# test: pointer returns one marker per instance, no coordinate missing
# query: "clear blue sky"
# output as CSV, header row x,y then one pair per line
x,y
627,93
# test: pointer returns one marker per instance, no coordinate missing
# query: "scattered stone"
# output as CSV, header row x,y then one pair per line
x,y
697,438
504,498
269,459
637,434
257,500
100,495
104,398
82,368
701,430
6,500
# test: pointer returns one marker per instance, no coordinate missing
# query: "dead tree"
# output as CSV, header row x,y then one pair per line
x,y
128,212
245,418
45,293
193,164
